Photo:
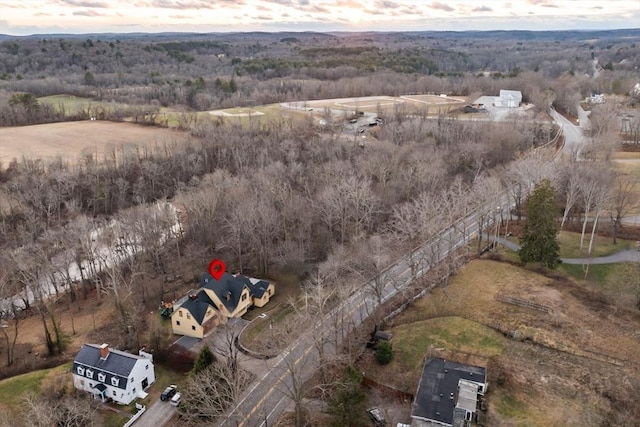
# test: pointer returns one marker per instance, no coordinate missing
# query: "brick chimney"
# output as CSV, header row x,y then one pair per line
x,y
104,351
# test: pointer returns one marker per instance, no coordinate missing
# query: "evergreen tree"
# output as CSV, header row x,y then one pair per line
x,y
539,235
384,352
204,360
346,403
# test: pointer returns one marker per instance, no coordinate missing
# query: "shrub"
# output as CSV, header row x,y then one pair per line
x,y
384,352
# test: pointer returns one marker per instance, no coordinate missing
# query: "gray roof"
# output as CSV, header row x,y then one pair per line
x,y
228,288
439,382
198,306
117,362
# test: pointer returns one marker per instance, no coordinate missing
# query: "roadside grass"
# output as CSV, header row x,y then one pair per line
x,y
112,419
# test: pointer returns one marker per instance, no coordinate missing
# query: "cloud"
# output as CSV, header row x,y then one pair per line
x,y
82,3
387,4
188,4
482,9
441,6
88,13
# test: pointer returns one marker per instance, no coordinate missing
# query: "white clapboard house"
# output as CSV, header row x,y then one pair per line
x,y
112,374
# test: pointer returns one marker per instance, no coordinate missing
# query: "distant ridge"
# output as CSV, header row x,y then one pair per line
x,y
491,34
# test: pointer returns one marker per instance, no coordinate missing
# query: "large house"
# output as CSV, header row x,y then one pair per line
x,y
112,374
447,394
509,98
215,301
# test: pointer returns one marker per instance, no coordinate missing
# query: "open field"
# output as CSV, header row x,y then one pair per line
x,y
372,104
70,104
70,140
536,360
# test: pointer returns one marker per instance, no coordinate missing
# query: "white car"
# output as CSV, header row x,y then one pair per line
x,y
175,400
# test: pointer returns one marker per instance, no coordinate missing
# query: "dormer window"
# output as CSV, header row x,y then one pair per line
x,y
115,381
101,377
89,373
80,370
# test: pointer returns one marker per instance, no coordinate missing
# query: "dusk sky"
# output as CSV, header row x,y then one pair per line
x,y
22,17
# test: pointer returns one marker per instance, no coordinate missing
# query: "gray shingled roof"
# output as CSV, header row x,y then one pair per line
x,y
439,382
198,307
117,362
227,285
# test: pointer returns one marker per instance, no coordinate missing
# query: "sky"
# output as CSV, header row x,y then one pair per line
x,y
24,17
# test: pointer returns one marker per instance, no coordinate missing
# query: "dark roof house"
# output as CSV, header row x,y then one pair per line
x,y
197,304
112,361
228,289
447,388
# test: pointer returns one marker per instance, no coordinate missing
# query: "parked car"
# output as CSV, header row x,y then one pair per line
x,y
169,392
377,417
175,400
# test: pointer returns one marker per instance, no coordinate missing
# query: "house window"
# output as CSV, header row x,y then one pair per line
x,y
146,367
177,323
115,381
193,327
244,297
101,377
82,383
134,390
80,371
188,316
114,393
180,313
89,373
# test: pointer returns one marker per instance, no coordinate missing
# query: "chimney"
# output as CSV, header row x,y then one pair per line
x,y
104,351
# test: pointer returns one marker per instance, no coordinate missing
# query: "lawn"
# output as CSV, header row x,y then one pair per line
x,y
603,246
14,389
411,342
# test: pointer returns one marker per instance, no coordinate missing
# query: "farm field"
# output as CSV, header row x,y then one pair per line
x,y
70,140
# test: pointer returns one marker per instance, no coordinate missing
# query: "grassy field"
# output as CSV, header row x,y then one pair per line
x,y
74,104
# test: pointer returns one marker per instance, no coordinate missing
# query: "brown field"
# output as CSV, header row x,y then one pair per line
x,y
73,139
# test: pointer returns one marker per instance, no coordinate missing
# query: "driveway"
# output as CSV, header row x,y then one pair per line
x,y
156,415
627,255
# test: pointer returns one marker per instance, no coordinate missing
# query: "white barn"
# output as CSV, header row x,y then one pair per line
x,y
509,98
108,373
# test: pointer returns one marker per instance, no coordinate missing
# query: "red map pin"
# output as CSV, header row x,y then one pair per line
x,y
217,268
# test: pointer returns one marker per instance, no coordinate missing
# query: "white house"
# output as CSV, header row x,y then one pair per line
x,y
509,98
108,373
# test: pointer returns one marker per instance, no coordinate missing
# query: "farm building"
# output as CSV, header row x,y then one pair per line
x,y
509,98
447,394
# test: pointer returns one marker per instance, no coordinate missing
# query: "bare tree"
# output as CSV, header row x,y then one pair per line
x,y
210,393
622,201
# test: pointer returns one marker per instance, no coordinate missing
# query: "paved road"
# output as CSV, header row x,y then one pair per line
x,y
627,255
573,137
